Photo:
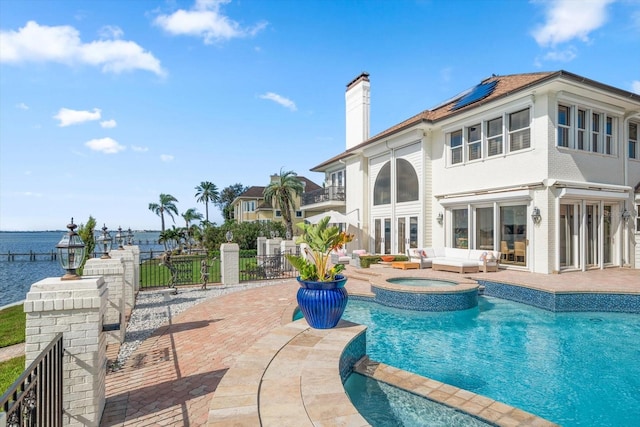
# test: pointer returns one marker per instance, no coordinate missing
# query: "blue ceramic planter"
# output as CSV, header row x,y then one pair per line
x,y
322,303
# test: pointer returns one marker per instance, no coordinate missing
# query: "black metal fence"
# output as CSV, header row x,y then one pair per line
x,y
265,267
179,270
35,399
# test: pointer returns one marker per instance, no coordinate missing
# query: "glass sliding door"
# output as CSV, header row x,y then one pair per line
x,y
407,233
569,224
607,236
592,235
402,235
513,234
460,226
484,229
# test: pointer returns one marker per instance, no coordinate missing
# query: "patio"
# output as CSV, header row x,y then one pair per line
x,y
172,378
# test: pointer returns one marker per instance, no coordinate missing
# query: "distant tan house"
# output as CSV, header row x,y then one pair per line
x,y
251,206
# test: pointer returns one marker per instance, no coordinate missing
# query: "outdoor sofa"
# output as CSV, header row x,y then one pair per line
x,y
455,259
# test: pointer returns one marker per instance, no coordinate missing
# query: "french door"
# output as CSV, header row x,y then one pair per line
x,y
407,233
389,239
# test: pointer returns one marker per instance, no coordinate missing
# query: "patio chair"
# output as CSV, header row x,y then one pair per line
x,y
506,254
519,252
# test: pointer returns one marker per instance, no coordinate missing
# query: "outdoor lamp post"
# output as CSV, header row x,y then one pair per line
x,y
229,236
129,237
71,252
105,240
120,238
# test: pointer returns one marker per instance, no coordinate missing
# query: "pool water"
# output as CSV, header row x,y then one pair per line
x,y
575,369
388,406
409,281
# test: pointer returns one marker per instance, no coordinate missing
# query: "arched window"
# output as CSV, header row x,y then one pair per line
x,y
382,187
406,182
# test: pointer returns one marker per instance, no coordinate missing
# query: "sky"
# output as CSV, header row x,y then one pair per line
x,y
104,105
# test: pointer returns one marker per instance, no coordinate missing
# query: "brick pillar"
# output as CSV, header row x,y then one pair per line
x,y
75,308
112,271
129,285
136,265
288,247
230,263
273,246
261,246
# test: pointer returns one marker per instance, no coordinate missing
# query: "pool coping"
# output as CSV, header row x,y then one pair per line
x,y
481,407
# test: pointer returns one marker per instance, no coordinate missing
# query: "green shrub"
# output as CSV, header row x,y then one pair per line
x,y
367,260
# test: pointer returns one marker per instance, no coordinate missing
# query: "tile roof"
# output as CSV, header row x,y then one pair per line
x,y
506,85
253,192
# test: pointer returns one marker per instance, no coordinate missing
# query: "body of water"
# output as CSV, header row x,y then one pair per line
x,y
16,277
575,369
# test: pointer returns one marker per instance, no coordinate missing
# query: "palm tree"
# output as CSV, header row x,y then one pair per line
x,y
190,215
283,191
207,192
167,204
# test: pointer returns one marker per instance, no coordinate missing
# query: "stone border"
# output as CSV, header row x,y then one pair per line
x,y
563,301
290,377
478,406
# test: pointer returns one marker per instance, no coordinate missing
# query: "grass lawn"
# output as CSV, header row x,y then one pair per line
x,y
9,372
13,322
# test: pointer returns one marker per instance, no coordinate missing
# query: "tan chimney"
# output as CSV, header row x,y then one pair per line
x,y
357,110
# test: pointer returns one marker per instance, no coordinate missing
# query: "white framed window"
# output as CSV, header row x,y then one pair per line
x,y
596,132
585,129
298,214
278,213
455,140
250,206
474,142
519,130
564,126
582,129
494,137
633,141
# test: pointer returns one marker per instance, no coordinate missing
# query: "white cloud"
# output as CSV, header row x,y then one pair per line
x,y
105,145
205,20
569,19
635,86
22,106
566,55
108,124
31,194
166,157
69,117
111,32
285,102
62,44
139,149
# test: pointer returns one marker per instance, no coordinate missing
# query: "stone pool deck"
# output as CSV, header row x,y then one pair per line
x,y
174,376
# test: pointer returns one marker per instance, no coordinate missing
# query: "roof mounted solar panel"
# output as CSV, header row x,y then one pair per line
x,y
476,94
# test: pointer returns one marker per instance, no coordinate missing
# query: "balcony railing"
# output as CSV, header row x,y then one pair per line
x,y
327,194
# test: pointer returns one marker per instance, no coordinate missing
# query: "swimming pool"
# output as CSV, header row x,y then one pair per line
x,y
570,368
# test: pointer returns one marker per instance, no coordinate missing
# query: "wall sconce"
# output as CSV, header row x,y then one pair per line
x,y
105,241
120,239
626,215
71,252
440,218
229,236
535,215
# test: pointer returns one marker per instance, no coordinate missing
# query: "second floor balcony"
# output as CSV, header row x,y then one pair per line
x,y
327,194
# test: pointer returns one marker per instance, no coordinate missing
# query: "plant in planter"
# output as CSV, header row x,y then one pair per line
x,y
322,297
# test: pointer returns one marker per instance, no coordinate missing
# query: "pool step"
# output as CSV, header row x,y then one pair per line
x,y
481,290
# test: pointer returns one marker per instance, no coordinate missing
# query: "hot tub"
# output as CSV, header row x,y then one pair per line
x,y
422,294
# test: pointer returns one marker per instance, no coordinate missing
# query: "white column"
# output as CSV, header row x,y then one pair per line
x,y
230,263
288,247
129,277
261,246
112,271
273,245
136,265
75,308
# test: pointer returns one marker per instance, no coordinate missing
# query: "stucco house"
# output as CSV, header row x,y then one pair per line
x,y
544,167
251,206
